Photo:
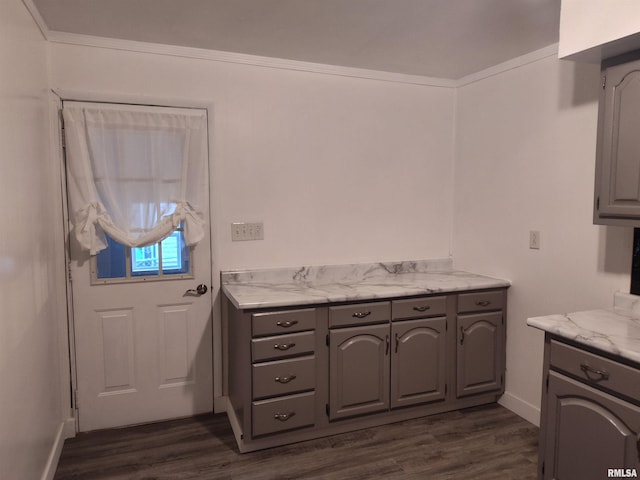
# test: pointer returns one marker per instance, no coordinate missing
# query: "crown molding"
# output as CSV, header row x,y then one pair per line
x,y
549,51
35,14
244,59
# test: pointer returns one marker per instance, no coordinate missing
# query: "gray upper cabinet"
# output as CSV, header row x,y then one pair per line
x,y
617,188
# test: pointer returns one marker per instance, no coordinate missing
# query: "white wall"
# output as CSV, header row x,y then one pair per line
x,y
525,161
339,169
31,267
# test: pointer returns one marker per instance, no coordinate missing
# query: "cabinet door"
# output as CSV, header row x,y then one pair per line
x,y
587,432
480,350
359,370
618,144
418,361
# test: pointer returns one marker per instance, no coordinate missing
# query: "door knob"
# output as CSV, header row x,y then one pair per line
x,y
199,290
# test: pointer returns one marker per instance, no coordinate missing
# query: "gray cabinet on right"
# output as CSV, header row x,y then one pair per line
x,y
590,431
617,185
590,422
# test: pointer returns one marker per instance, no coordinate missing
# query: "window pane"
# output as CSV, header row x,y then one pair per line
x,y
112,261
175,254
145,261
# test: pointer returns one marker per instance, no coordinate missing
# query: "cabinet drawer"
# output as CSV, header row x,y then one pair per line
x,y
283,377
274,323
282,346
280,414
359,314
480,301
419,307
596,370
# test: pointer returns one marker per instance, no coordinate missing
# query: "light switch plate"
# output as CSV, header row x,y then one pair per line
x,y
243,231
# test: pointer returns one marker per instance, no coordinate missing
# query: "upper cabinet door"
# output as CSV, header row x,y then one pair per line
x,y
617,192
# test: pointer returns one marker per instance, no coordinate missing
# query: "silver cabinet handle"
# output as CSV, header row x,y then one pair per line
x,y
483,303
283,417
422,308
286,379
588,371
287,324
361,314
284,346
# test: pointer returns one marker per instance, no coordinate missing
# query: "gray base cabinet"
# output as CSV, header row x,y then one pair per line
x,y
480,332
590,420
302,373
477,335
418,362
359,371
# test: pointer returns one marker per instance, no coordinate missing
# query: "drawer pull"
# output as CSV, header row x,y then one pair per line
x,y
462,335
284,346
287,324
483,303
283,417
361,314
286,379
422,308
588,371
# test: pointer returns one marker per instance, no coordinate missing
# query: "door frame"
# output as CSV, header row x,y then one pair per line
x,y
64,319
69,375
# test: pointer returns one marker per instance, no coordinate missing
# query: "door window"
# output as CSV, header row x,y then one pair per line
x,y
165,260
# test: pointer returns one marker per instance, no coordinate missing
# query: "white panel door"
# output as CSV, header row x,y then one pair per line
x,y
143,349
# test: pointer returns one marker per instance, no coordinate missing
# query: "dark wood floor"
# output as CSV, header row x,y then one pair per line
x,y
479,443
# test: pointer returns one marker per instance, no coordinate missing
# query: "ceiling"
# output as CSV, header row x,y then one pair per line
x,y
434,38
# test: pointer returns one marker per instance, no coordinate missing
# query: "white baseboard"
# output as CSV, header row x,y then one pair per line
x,y
529,412
67,429
54,455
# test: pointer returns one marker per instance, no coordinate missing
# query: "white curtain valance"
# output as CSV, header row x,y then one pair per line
x,y
135,173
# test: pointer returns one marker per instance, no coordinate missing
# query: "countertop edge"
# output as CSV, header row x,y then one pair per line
x,y
607,330
286,299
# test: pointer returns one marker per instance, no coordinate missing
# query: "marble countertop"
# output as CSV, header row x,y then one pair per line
x,y
613,330
249,289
